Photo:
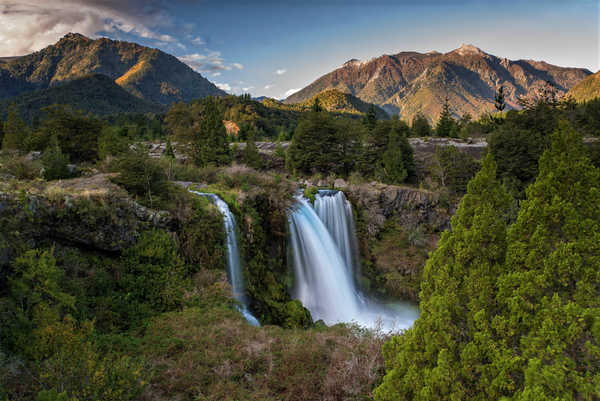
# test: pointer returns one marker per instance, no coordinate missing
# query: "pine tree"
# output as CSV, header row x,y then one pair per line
x,y
316,107
370,119
500,104
16,131
446,125
169,150
212,146
439,357
394,171
55,162
250,155
420,126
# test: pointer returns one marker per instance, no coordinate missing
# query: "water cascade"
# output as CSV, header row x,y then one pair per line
x,y
234,265
325,258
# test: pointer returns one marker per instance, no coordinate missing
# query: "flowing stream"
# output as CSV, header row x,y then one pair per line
x,y
234,265
326,262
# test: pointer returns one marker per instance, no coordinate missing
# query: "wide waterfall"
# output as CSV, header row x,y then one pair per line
x,y
234,265
325,258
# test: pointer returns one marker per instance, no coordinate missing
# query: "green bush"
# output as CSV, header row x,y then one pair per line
x,y
55,162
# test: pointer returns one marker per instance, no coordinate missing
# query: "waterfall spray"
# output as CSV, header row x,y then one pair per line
x,y
234,265
325,257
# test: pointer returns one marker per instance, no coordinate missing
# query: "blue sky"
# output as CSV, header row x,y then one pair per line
x,y
271,48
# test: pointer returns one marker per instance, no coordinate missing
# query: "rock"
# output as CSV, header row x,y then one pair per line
x,y
340,183
33,155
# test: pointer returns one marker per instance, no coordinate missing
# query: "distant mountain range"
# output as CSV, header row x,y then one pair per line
x,y
146,73
94,93
409,83
331,100
587,89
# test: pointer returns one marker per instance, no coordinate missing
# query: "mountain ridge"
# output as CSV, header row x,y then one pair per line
x,y
587,89
145,72
409,82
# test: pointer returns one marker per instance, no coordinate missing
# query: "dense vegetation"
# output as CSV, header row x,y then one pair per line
x,y
509,299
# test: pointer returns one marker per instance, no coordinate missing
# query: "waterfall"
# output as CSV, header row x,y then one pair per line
x,y
234,265
325,256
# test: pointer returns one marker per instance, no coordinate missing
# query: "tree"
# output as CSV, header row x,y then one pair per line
x,y
210,142
55,162
370,119
500,104
394,171
16,131
441,356
250,155
77,133
446,125
420,126
453,169
316,107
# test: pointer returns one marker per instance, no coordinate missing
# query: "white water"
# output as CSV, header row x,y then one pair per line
x,y
323,243
234,265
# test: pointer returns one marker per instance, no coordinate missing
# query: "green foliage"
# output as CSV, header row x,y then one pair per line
x,y
446,125
323,144
113,141
201,125
452,169
420,126
500,104
510,312
141,176
16,132
250,155
77,133
394,171
55,162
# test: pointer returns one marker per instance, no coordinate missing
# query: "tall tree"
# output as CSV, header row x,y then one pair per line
x,y
435,359
446,125
250,155
394,171
500,104
212,146
420,126
16,131
370,119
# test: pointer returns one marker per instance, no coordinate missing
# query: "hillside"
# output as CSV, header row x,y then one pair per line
x,y
587,89
94,93
409,82
334,101
144,72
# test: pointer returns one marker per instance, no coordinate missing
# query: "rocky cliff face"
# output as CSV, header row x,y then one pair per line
x,y
87,212
408,83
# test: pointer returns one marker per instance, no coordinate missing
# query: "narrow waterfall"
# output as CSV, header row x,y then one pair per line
x,y
234,265
323,244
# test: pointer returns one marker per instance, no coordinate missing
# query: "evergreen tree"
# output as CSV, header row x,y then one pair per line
x,y
500,104
211,142
370,119
16,131
169,150
250,155
316,107
439,358
55,162
394,171
420,126
446,125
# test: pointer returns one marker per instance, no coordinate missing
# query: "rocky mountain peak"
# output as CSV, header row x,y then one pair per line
x,y
465,49
352,63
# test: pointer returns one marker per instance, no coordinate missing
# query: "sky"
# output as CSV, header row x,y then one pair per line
x,y
273,48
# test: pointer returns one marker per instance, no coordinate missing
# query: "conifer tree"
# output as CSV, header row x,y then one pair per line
x,y
420,126
316,107
394,171
500,104
438,358
212,146
55,162
16,131
446,125
370,119
169,149
250,155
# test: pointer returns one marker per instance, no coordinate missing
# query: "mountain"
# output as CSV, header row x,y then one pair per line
x,y
334,101
409,82
95,93
147,73
587,89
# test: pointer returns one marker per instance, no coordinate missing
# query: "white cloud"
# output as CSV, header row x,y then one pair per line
x,y
269,86
225,87
238,66
281,71
247,89
291,92
216,74
210,62
29,25
198,41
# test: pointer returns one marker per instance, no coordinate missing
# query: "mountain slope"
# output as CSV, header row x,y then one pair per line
x,y
332,100
409,82
95,93
587,89
145,72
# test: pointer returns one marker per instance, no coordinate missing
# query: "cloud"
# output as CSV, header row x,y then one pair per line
x,y
291,92
225,87
29,25
281,71
247,89
238,66
269,86
211,62
198,41
216,74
